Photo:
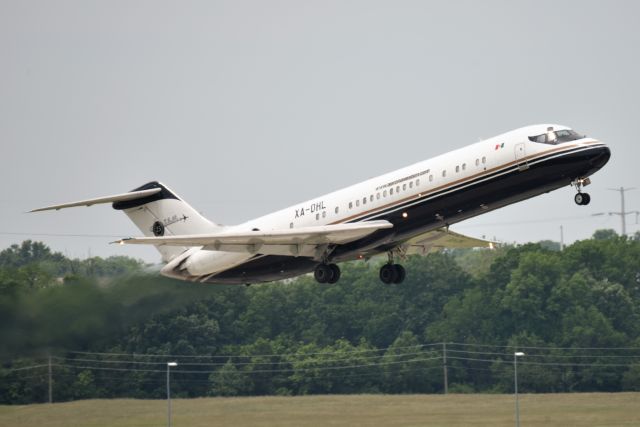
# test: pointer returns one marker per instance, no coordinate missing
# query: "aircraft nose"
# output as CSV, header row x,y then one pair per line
x,y
600,157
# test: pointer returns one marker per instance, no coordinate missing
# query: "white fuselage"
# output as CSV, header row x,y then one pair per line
x,y
392,191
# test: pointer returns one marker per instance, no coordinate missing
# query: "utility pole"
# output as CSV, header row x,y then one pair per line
x,y
561,238
515,384
169,366
444,367
50,381
623,214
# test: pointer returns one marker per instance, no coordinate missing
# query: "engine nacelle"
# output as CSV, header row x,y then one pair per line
x,y
206,262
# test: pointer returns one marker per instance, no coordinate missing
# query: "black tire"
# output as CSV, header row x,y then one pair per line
x,y
586,199
335,273
401,273
388,274
322,273
579,199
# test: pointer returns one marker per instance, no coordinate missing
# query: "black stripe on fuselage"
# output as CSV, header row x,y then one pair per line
x,y
164,193
442,208
474,181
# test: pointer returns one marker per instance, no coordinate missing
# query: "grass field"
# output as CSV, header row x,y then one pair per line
x,y
588,409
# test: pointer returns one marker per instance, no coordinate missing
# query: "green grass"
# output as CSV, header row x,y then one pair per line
x,y
585,409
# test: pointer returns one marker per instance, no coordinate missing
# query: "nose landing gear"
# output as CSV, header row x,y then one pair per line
x,y
581,198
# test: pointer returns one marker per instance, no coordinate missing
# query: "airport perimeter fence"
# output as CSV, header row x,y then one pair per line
x,y
425,368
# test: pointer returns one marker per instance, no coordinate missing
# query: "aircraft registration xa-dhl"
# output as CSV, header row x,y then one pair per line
x,y
402,212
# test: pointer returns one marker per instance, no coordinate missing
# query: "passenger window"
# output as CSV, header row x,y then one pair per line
x,y
384,193
457,168
398,189
484,160
358,202
410,184
364,200
378,196
317,216
290,225
404,187
391,191
324,214
371,198
350,205
337,209
417,182
464,166
430,178
444,173
477,162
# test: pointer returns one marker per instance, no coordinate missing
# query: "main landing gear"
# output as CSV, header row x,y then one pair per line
x,y
581,198
327,273
392,273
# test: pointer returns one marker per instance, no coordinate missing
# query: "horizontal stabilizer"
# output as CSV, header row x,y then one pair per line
x,y
132,195
269,241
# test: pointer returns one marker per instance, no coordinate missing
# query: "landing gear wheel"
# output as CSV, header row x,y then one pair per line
x,y
322,273
335,273
401,273
582,199
388,273
392,273
327,273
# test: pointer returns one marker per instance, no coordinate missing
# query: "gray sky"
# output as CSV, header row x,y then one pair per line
x,y
245,107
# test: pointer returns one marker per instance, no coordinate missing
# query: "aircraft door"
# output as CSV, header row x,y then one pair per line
x,y
521,157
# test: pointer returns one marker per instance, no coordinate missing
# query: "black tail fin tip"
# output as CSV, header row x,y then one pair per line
x,y
165,193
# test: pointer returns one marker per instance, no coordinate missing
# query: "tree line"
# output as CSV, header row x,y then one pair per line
x,y
107,327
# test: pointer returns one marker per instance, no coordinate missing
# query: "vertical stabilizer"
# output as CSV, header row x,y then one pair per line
x,y
163,213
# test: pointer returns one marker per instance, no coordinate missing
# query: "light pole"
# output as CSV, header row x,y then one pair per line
x,y
169,366
515,382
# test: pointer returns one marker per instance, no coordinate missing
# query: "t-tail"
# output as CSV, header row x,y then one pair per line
x,y
156,211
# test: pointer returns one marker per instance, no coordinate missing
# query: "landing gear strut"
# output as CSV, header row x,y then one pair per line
x,y
581,198
327,273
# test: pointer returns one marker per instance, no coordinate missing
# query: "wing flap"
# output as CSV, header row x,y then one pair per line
x,y
443,238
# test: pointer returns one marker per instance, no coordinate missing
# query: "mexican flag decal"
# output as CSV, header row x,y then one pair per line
x,y
499,146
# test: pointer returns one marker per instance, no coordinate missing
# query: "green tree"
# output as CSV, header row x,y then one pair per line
x,y
605,234
229,381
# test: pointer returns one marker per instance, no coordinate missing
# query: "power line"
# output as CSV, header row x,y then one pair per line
x,y
543,363
543,347
228,356
24,368
255,371
137,362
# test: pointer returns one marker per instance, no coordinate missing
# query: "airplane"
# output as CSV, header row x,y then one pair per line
x,y
399,213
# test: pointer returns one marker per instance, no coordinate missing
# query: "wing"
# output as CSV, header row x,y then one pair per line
x,y
291,242
443,238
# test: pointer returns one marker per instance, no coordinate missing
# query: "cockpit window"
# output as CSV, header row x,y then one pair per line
x,y
556,137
